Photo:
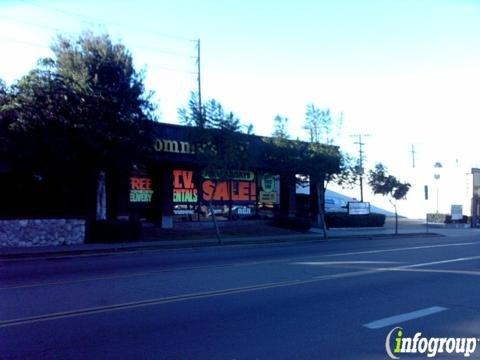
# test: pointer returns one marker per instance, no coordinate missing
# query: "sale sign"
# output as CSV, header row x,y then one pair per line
x,y
229,190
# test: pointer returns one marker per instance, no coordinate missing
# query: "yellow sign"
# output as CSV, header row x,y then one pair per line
x,y
233,175
268,197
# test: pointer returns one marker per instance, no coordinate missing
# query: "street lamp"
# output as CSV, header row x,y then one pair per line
x,y
436,176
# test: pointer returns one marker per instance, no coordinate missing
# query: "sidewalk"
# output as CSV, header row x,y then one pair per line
x,y
315,234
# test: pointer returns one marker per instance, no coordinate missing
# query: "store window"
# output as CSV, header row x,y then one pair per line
x,y
268,195
185,196
141,190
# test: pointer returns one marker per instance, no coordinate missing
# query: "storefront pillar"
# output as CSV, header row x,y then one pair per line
x,y
475,216
167,199
313,200
317,199
288,205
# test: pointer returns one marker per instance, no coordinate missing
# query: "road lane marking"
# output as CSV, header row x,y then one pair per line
x,y
440,262
173,299
329,263
281,260
440,271
200,295
73,281
402,249
392,320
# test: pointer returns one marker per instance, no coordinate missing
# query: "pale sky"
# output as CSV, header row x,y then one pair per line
x,y
405,71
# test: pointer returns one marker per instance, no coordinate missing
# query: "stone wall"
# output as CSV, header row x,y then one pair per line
x,y
41,232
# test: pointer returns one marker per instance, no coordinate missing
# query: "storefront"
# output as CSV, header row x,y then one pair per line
x,y
174,188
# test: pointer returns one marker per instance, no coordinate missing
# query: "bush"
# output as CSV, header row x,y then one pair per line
x,y
436,218
342,219
464,220
293,223
107,231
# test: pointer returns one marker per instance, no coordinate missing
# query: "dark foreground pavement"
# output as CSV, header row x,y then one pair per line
x,y
304,301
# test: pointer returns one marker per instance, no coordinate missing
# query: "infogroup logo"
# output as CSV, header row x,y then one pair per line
x,y
397,343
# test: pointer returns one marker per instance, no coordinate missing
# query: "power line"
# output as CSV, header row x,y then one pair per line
x,y
361,154
100,21
199,80
28,43
40,46
413,155
21,21
170,69
147,48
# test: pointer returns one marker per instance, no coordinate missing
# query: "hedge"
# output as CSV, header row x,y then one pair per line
x,y
293,223
464,220
342,219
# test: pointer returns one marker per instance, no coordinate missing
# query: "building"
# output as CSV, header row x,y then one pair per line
x,y
170,185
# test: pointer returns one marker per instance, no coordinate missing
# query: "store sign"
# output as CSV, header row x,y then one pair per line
x,y
456,212
184,190
173,146
182,147
243,210
226,191
234,175
183,211
270,186
140,190
358,208
268,183
267,197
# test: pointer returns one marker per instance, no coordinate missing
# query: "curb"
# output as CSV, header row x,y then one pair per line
x,y
234,242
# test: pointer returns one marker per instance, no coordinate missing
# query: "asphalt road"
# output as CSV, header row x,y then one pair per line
x,y
331,300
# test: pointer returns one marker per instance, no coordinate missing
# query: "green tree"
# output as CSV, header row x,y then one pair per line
x,y
192,115
314,161
82,108
280,124
212,116
221,146
388,185
318,124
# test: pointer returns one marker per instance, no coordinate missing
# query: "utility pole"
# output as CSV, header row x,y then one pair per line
x,y
199,82
413,155
361,154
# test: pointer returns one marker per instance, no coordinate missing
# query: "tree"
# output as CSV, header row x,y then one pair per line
x,y
82,109
221,147
280,130
383,183
319,126
315,161
192,115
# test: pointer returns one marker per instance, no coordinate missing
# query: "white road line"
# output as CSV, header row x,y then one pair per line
x,y
433,271
172,299
329,263
403,249
276,261
439,262
378,324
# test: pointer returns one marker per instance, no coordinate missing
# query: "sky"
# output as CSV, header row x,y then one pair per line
x,y
405,72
